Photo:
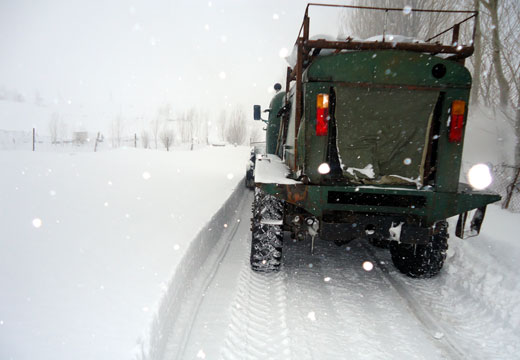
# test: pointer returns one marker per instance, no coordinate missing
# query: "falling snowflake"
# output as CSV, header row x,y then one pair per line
x,y
324,168
176,247
368,266
37,222
283,52
201,354
276,16
146,175
327,279
479,176
311,316
222,75
407,161
407,10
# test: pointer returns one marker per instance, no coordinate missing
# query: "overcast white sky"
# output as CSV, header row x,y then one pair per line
x,y
95,59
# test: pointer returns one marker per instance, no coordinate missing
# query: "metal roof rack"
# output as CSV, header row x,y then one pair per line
x,y
305,46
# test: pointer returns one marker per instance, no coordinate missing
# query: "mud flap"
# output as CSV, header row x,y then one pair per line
x,y
475,225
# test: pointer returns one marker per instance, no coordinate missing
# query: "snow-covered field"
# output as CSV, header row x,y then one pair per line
x,y
141,254
89,242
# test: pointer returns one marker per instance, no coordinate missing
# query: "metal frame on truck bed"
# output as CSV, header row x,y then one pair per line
x,y
308,49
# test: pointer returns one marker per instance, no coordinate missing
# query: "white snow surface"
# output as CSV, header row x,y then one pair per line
x,y
139,254
114,227
368,170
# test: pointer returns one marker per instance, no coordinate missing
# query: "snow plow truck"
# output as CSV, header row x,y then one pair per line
x,y
366,141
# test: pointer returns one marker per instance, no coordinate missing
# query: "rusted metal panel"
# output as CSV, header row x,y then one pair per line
x,y
457,51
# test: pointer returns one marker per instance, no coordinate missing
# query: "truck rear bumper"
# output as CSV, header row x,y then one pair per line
x,y
427,206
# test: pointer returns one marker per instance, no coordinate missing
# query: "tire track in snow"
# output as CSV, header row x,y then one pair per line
x,y
177,312
441,336
258,327
353,313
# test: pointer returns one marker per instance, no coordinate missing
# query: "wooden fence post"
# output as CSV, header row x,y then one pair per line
x,y
97,140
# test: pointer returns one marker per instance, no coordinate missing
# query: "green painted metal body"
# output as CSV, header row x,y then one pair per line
x,y
273,124
390,109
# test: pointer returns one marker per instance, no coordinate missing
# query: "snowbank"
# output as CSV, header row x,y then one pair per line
x,y
90,242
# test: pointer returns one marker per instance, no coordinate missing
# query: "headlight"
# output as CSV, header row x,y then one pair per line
x,y
479,176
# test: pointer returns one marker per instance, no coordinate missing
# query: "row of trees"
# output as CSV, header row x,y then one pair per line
x,y
495,65
168,128
189,127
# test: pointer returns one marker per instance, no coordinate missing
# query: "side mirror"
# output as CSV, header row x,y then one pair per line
x,y
257,110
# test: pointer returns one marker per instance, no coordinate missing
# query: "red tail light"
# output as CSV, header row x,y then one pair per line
x,y
322,115
458,109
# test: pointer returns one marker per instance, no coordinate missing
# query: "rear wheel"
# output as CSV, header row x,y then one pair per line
x,y
425,260
267,232
249,181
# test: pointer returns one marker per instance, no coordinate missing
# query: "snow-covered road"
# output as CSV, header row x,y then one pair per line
x,y
327,306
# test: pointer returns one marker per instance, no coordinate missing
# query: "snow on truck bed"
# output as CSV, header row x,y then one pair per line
x,y
89,242
271,169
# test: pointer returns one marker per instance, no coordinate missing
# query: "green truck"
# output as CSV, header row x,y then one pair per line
x,y
366,142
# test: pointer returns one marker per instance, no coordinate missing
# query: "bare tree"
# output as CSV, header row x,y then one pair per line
x,y
186,125
477,56
492,7
117,131
164,113
221,124
54,124
367,23
63,131
145,139
155,126
167,137
236,127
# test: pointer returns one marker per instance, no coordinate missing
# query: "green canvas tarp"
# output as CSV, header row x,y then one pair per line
x,y
382,133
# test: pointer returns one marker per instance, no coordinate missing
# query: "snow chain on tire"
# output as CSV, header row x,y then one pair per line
x,y
425,260
267,232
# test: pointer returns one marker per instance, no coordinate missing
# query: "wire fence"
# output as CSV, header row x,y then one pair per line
x,y
506,183
82,141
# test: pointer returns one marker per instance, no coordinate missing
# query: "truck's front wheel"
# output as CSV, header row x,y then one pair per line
x,y
425,260
267,232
